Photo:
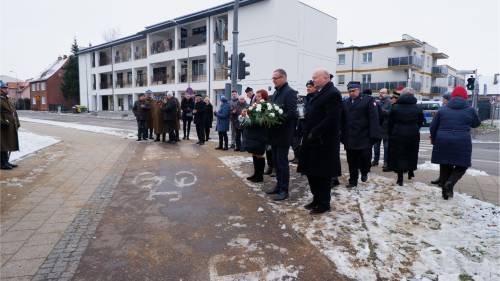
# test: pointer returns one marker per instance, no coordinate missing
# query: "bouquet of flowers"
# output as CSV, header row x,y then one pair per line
x,y
262,114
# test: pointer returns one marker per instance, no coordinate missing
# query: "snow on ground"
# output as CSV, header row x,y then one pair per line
x,y
383,231
89,128
435,167
30,143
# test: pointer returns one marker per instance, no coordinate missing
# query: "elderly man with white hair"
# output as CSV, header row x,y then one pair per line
x,y
319,156
169,117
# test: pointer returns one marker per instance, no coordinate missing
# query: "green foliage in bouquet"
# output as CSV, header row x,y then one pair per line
x,y
264,114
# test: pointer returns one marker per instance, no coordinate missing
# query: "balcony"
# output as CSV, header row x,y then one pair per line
x,y
439,71
122,53
162,41
140,50
194,34
375,86
439,90
162,78
104,57
405,62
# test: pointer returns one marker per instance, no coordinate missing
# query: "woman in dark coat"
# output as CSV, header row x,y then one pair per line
x,y
223,120
450,135
187,106
405,120
255,140
209,118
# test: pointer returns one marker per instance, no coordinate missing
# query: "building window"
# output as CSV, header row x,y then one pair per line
x,y
341,79
221,32
42,86
366,78
33,87
367,57
44,100
33,101
342,59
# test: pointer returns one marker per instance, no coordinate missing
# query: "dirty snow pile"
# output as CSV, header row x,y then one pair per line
x,y
435,167
127,134
30,143
383,231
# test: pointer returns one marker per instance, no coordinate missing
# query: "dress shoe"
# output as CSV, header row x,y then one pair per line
x,y
237,149
436,181
351,185
364,177
310,206
374,163
282,195
386,169
225,148
335,182
218,148
320,210
12,165
5,167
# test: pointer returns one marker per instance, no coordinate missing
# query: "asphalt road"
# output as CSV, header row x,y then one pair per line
x,y
485,152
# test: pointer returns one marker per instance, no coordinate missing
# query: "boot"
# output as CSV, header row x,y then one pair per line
x,y
254,161
163,137
259,172
157,138
400,179
436,181
410,175
447,190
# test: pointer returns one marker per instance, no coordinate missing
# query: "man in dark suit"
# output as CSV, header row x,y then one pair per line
x,y
280,137
320,150
360,129
199,118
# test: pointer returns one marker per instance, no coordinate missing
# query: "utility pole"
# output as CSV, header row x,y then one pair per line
x,y
234,63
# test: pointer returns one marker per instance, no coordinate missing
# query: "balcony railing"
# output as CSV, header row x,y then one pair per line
x,y
141,54
380,85
140,82
161,79
104,85
409,61
161,46
439,70
123,84
439,90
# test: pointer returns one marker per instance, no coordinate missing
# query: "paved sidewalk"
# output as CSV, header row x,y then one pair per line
x,y
48,197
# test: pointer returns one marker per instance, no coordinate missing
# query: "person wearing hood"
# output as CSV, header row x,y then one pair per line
x,y
450,135
223,120
405,121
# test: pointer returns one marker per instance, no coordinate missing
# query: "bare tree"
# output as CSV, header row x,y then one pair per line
x,y
111,34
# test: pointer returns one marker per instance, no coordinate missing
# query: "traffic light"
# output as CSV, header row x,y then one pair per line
x,y
470,83
230,65
242,67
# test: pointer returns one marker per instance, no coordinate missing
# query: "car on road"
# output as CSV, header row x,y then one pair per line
x,y
430,108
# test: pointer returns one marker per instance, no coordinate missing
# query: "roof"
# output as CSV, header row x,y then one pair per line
x,y
6,79
49,71
169,23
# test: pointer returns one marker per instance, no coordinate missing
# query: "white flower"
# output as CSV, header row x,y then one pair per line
x,y
271,114
280,111
276,107
259,108
262,101
269,106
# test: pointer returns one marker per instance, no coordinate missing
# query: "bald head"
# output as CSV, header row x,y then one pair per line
x,y
321,77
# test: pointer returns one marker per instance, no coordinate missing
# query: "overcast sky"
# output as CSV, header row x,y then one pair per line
x,y
34,33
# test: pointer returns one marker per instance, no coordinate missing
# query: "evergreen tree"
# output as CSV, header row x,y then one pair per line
x,y
70,85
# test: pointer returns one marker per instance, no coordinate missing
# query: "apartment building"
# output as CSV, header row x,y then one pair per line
x,y
407,62
180,53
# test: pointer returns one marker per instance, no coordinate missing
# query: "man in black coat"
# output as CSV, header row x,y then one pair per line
x,y
360,129
141,111
320,150
384,109
169,117
199,118
280,137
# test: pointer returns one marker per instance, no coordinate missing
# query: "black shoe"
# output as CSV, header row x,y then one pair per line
x,y
233,146
188,138
444,193
436,181
364,177
256,178
399,181
374,163
273,191
184,138
448,190
335,182
218,148
295,161
280,196
410,175
311,205
237,149
157,140
202,143
351,185
139,139
386,169
5,167
151,137
320,210
12,165
225,148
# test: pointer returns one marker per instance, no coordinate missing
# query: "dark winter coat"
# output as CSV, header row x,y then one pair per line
x,y
9,139
384,109
158,125
450,133
236,111
254,140
187,106
223,115
286,98
170,110
141,110
150,101
405,121
320,151
199,116
360,127
209,117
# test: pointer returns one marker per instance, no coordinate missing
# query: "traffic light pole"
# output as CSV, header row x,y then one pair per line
x,y
234,62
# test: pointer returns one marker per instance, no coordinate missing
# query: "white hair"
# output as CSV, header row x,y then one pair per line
x,y
408,90
323,72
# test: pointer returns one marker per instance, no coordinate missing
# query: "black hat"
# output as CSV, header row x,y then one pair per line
x,y
198,95
140,95
353,85
310,83
248,89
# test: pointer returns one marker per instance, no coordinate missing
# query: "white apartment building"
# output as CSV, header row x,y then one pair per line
x,y
180,53
407,62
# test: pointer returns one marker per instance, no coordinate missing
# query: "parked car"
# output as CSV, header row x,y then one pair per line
x,y
430,108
